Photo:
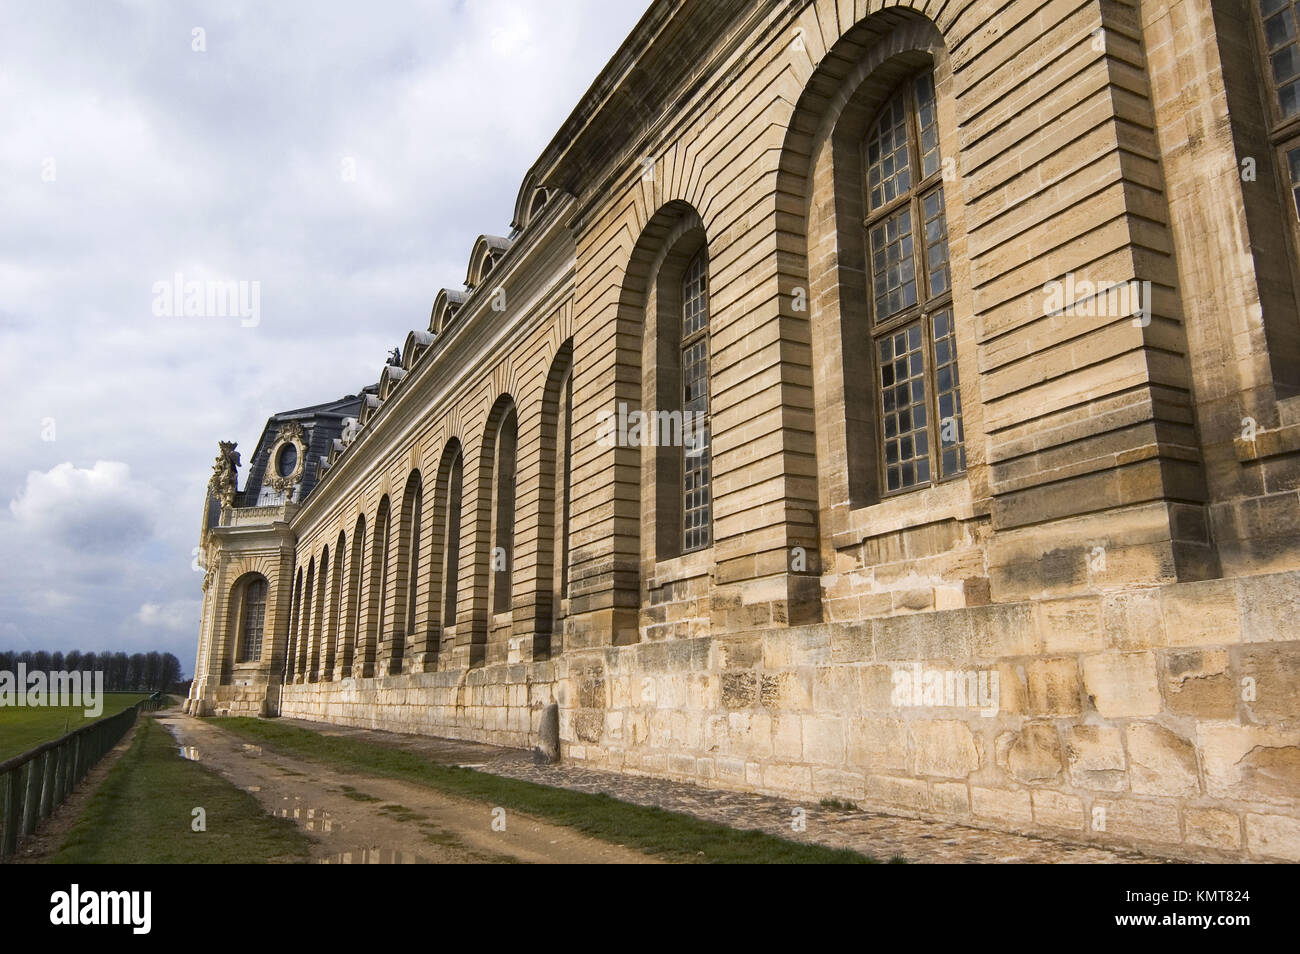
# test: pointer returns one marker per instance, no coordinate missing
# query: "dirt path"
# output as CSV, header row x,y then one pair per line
x,y
361,819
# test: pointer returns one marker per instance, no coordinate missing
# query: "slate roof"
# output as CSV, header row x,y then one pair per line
x,y
321,423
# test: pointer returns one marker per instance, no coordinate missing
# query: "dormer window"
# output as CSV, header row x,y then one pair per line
x,y
286,460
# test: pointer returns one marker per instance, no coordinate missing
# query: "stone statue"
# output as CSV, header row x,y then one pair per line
x,y
395,357
225,474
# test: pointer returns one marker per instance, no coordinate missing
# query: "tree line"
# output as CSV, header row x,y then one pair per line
x,y
139,672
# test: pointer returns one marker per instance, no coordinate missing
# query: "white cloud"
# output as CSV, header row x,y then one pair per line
x,y
97,509
178,615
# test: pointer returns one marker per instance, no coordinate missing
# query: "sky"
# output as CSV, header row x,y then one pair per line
x,y
338,157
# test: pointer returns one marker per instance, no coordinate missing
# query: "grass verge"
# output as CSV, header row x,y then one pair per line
x,y
142,813
25,727
669,835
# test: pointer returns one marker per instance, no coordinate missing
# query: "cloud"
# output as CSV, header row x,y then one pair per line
x,y
178,615
228,164
96,509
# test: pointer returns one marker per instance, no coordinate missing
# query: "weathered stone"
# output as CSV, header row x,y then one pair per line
x,y
1058,810
945,748
1054,687
1139,820
1212,828
1031,755
1199,683
1250,763
1160,762
1010,807
1095,756
1122,684
1273,836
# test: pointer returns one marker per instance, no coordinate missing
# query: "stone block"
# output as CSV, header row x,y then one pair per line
x,y
1122,684
1160,761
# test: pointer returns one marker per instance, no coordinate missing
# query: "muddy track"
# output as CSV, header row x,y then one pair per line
x,y
358,819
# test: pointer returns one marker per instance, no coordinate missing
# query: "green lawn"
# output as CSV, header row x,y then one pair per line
x,y
669,835
142,813
25,727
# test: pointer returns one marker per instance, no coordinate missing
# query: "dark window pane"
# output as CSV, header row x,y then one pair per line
x,y
903,414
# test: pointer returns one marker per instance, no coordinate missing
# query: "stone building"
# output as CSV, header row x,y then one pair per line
x,y
897,403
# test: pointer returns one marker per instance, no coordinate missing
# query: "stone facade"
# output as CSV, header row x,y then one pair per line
x,y
1075,618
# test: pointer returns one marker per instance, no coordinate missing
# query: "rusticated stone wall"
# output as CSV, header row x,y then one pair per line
x,y
1162,718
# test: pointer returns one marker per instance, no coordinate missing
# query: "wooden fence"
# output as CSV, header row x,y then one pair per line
x,y
35,783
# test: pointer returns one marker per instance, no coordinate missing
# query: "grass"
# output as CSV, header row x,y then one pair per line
x,y
668,835
142,813
25,727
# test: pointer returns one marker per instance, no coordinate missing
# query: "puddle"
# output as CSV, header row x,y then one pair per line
x,y
374,856
190,752
313,819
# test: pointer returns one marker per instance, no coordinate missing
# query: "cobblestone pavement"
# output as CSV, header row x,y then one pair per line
x,y
880,835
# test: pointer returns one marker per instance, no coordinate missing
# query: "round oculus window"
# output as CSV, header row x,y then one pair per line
x,y
288,460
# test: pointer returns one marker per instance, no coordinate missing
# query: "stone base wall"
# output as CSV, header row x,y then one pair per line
x,y
1163,718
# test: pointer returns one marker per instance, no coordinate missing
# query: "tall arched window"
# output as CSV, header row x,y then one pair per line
x,y
337,621
697,501
295,624
553,502
378,589
321,619
409,579
304,623
355,617
450,481
1277,22
252,618
503,530
913,339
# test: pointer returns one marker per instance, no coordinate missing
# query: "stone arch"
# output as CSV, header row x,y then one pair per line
x,y
334,615
377,603
444,547
406,561
247,636
822,256
495,522
353,620
552,563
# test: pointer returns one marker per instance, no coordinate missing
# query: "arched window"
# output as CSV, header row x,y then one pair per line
x,y
355,617
295,623
378,589
336,619
553,504
304,623
913,339
503,535
252,618
450,482
409,579
697,501
1277,21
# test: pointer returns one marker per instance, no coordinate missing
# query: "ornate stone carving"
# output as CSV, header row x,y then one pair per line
x,y
291,432
225,474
